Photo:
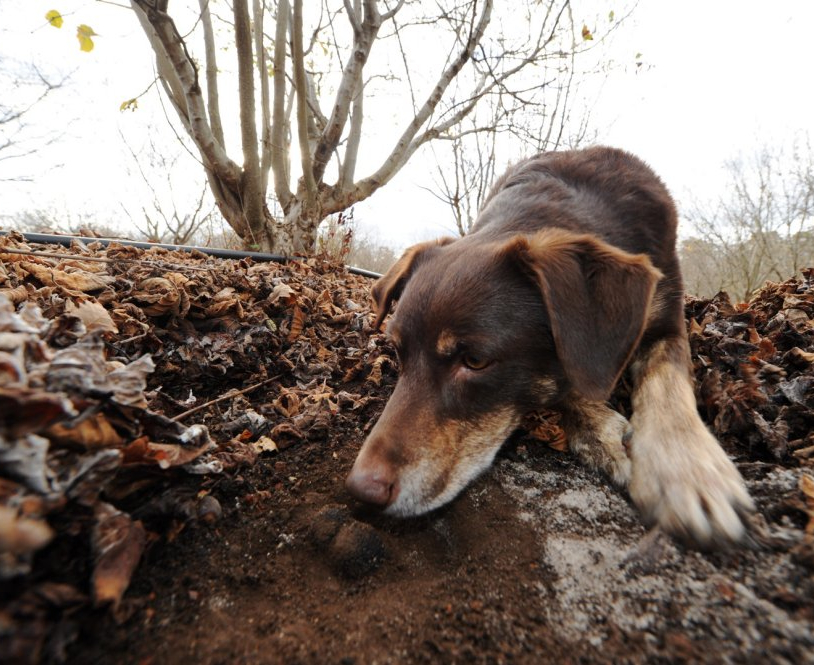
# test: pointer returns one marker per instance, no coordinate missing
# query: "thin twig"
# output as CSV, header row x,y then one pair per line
x,y
228,395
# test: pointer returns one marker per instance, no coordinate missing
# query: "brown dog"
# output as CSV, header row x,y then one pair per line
x,y
569,276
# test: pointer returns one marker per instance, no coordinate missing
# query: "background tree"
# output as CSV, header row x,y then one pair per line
x,y
172,211
18,137
465,171
63,221
314,73
550,114
761,229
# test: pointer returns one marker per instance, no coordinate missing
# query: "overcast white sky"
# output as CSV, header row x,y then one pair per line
x,y
722,77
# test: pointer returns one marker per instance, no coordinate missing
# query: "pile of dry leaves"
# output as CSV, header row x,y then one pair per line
x,y
754,368
130,378
106,355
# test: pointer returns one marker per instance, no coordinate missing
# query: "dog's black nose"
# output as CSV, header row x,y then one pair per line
x,y
371,485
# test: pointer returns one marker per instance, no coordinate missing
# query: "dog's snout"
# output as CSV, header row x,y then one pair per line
x,y
374,484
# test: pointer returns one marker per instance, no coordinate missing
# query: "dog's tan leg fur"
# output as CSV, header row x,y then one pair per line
x,y
596,435
681,477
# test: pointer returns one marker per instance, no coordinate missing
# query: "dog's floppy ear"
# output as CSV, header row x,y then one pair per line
x,y
389,287
597,298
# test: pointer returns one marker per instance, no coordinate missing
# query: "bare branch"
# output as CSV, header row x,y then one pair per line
x,y
178,70
213,104
353,17
407,144
258,9
279,142
388,15
301,89
251,187
363,40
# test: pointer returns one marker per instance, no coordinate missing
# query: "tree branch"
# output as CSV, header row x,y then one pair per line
x,y
213,103
279,142
258,9
348,169
301,89
251,186
388,15
363,39
407,145
181,76
353,17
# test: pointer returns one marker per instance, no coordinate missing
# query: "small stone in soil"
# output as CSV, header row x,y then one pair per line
x,y
209,509
326,523
357,550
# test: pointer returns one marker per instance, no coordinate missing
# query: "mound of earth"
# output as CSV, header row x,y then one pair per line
x,y
174,435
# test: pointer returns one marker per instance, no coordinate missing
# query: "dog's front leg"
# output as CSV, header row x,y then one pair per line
x,y
596,435
681,477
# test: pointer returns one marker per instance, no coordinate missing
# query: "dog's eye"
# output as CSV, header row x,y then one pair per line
x,y
474,362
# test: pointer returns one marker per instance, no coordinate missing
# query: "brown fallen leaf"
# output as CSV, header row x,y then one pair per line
x,y
235,453
130,381
118,543
326,304
92,314
90,474
375,376
24,410
79,369
287,403
21,535
282,293
284,433
297,323
26,460
264,445
165,455
157,296
544,426
92,432
695,327
807,488
798,357
16,295
81,281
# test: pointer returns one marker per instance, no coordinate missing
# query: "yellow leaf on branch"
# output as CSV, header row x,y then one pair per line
x,y
129,104
54,18
586,33
84,34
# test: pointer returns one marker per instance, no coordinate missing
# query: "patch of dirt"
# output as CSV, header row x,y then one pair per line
x,y
248,550
538,559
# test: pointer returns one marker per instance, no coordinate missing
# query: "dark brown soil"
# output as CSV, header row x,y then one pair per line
x,y
539,561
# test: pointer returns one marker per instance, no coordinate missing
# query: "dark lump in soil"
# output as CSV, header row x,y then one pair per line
x,y
165,497
354,548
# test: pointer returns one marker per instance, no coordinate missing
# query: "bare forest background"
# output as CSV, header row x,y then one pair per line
x,y
295,112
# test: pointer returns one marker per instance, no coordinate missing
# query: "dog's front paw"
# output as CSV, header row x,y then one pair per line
x,y
689,487
612,435
597,435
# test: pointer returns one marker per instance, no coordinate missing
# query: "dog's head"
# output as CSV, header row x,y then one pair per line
x,y
487,331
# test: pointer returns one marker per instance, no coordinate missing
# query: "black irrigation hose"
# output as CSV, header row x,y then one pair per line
x,y
209,251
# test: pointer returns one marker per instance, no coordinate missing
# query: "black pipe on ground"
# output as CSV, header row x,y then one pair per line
x,y
45,238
